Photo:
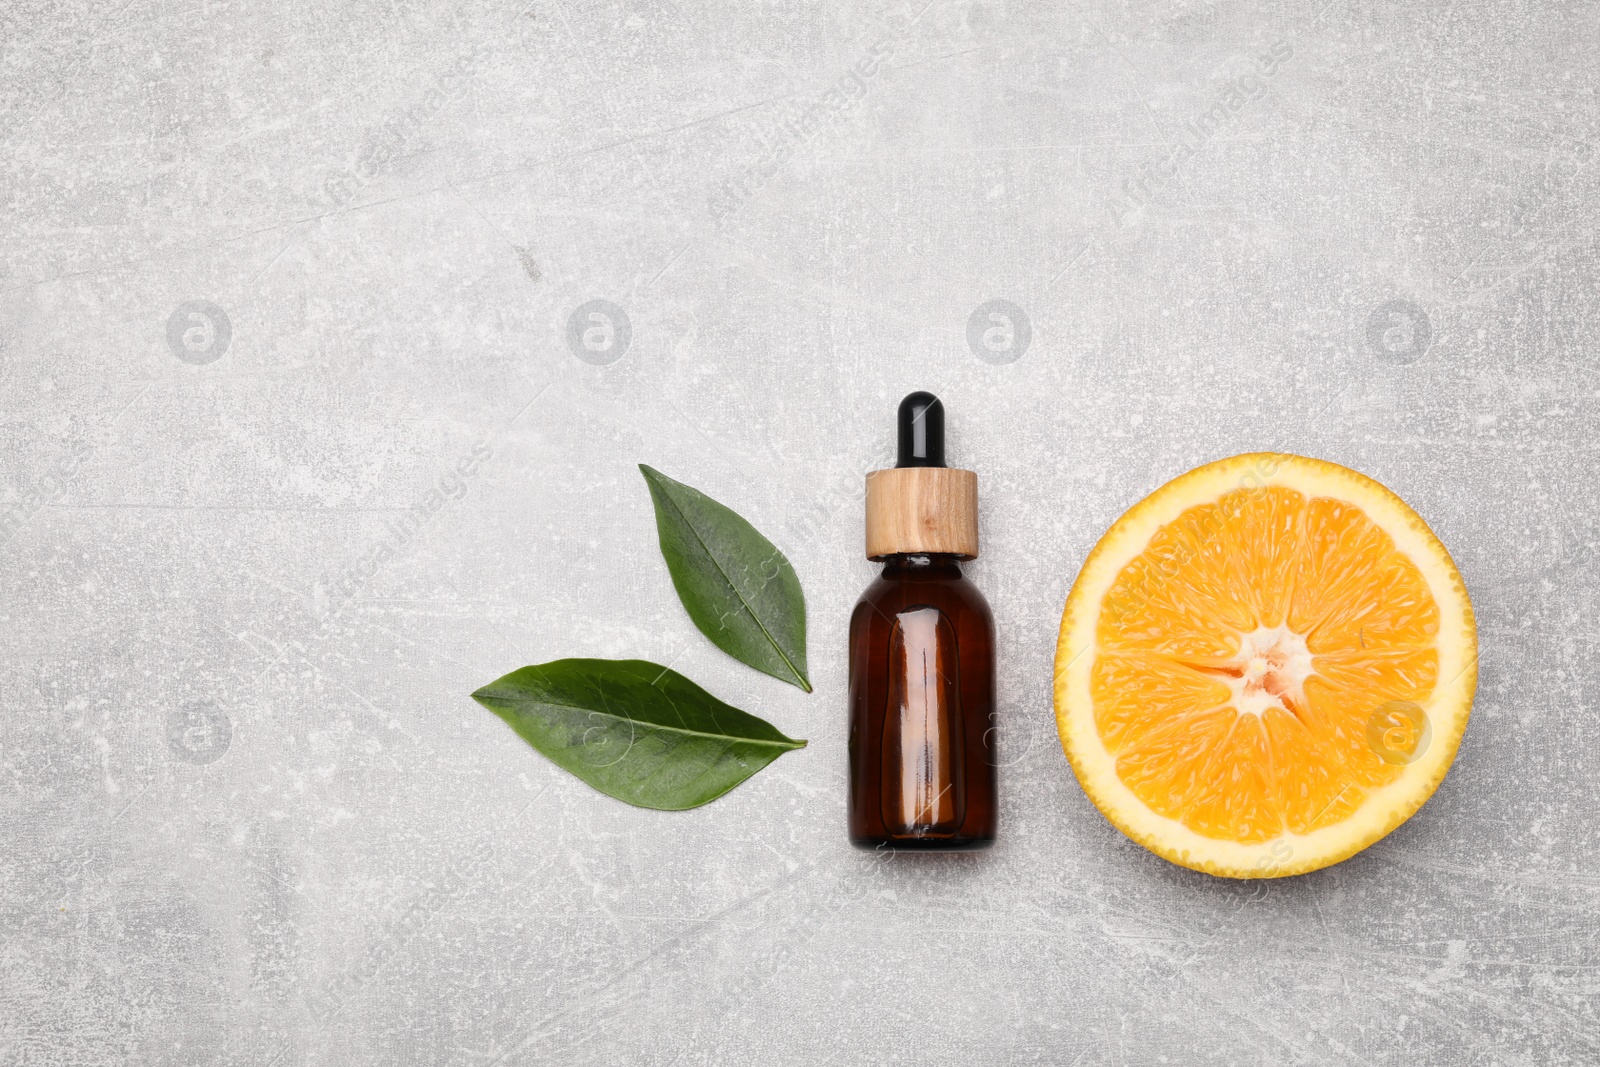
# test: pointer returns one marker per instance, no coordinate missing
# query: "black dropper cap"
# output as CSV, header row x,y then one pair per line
x,y
921,431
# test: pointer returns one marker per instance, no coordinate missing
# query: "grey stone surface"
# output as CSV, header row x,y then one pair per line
x,y
270,271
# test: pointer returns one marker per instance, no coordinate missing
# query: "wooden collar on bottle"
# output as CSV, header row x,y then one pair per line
x,y
922,509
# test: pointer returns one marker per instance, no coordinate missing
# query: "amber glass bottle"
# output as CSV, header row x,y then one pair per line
x,y
922,657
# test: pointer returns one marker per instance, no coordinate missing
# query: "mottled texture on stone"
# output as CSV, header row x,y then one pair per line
x,y
331,336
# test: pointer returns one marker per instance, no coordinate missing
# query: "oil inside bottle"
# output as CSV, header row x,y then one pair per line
x,y
923,792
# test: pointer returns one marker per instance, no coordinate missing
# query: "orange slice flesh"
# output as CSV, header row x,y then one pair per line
x,y
1265,666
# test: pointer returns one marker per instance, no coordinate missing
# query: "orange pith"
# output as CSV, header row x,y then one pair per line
x,y
1219,611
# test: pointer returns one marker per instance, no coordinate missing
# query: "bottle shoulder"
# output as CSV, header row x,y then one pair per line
x,y
891,593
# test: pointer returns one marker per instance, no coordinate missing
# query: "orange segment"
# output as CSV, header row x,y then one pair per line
x,y
1130,683
1358,592
1265,666
1311,786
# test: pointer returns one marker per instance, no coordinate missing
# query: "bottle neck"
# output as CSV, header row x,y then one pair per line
x,y
924,565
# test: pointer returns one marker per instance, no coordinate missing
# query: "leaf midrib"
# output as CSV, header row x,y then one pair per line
x,y
742,602
790,744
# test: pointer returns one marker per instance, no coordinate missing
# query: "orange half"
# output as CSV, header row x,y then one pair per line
x,y
1265,666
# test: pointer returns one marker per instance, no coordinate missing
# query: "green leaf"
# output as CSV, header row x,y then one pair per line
x,y
739,589
635,730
